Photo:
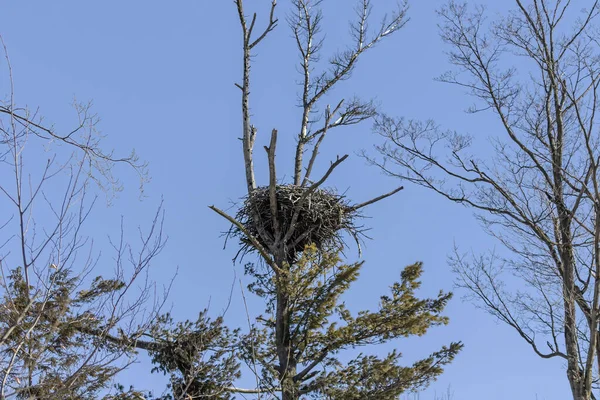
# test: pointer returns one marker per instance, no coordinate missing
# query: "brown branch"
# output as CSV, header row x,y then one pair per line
x,y
376,199
263,252
272,24
302,374
273,184
323,131
340,68
234,389
121,341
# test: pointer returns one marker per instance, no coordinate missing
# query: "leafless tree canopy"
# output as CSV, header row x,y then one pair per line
x,y
66,333
317,79
282,222
305,21
54,313
537,70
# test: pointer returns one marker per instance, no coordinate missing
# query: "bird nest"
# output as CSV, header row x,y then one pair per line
x,y
323,215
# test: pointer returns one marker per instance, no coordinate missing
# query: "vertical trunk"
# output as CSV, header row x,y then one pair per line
x,y
579,395
575,375
248,129
285,350
593,318
573,371
300,146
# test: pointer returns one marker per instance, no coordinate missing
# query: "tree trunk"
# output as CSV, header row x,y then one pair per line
x,y
578,395
248,129
285,349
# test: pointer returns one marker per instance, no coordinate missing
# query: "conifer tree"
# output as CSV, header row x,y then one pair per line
x,y
320,328
70,337
296,230
54,312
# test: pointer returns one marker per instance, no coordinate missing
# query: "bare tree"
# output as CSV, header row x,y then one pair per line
x,y
305,23
538,191
295,229
54,314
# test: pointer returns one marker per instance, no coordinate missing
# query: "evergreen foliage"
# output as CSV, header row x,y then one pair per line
x,y
321,327
63,336
200,357
45,353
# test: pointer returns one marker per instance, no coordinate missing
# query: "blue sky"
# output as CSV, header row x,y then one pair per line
x,y
161,76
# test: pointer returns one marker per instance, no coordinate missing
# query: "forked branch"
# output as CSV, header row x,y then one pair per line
x,y
248,130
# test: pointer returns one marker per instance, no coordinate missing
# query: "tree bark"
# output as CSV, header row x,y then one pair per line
x,y
285,349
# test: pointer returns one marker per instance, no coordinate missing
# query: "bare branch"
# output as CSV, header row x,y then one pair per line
x,y
376,199
263,252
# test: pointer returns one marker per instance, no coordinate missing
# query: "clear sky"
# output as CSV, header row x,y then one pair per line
x,y
161,76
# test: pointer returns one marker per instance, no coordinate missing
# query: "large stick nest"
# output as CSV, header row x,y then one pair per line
x,y
323,217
